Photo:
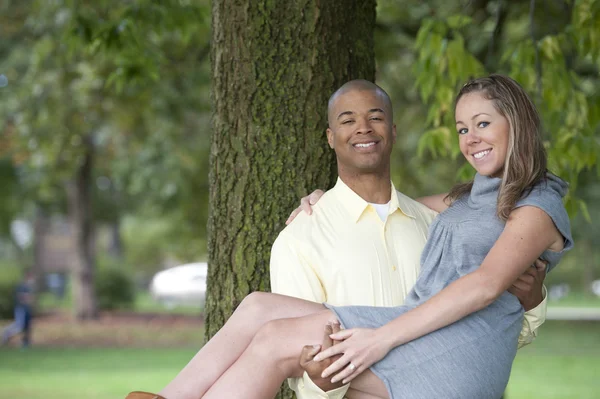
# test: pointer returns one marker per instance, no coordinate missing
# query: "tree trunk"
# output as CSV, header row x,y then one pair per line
x,y
588,268
40,227
273,70
79,193
115,244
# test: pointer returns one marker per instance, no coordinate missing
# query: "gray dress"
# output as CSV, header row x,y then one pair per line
x,y
472,357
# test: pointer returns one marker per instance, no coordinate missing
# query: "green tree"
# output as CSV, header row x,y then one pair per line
x,y
74,119
553,52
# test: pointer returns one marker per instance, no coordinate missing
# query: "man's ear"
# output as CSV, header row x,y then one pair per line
x,y
330,137
394,132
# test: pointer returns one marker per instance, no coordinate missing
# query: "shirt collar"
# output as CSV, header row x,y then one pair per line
x,y
356,206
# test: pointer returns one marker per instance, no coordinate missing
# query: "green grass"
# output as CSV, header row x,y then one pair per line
x,y
563,363
577,300
144,303
87,373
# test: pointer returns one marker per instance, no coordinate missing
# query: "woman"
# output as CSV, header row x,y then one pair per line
x,y
456,335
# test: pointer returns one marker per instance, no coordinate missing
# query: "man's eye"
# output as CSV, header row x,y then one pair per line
x,y
347,122
464,130
376,118
483,124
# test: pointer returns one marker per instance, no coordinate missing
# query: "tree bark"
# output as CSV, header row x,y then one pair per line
x,y
588,268
274,67
79,192
39,233
115,245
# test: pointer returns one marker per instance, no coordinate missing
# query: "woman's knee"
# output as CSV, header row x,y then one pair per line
x,y
281,341
270,333
257,305
274,340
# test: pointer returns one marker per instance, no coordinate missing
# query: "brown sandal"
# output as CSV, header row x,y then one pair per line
x,y
143,395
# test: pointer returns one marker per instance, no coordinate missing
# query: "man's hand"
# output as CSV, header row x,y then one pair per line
x,y
360,349
528,287
315,369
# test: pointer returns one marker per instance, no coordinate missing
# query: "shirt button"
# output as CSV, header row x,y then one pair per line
x,y
394,268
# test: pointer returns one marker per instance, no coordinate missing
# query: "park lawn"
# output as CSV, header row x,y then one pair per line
x,y
564,363
577,300
143,303
52,373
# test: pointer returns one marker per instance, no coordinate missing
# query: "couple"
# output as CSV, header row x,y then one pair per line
x,y
456,334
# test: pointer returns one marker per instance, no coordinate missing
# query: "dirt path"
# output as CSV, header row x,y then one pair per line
x,y
116,329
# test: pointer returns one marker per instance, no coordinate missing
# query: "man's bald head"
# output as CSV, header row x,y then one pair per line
x,y
359,85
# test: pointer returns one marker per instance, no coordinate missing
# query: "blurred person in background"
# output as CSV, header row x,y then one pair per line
x,y
24,296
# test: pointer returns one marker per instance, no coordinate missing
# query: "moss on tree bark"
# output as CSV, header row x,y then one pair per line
x,y
274,66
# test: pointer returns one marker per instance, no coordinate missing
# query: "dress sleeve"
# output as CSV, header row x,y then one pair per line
x,y
548,196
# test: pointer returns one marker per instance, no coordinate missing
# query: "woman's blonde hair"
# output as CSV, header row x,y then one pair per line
x,y
525,163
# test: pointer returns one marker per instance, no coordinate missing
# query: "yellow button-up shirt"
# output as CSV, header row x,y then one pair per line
x,y
344,254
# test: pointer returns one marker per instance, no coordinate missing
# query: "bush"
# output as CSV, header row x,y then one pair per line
x,y
10,276
114,289
7,299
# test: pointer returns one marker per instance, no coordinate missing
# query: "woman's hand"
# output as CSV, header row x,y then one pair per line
x,y
361,348
306,204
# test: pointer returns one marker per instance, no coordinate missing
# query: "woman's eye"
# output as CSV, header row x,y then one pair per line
x,y
464,130
483,124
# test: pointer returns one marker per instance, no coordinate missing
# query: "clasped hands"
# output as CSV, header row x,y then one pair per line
x,y
343,355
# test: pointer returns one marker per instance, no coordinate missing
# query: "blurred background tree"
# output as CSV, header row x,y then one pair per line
x,y
95,148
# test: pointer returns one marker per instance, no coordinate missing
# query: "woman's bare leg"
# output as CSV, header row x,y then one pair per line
x,y
232,340
273,356
355,394
367,386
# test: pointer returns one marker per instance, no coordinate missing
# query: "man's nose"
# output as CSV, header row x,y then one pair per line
x,y
364,126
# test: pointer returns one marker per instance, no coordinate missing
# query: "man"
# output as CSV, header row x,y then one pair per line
x,y
362,243
23,311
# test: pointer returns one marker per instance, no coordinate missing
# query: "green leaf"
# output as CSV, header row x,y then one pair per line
x,y
458,21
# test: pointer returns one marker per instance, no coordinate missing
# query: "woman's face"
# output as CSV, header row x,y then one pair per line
x,y
483,134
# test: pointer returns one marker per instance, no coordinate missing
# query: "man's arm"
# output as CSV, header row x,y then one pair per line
x,y
534,318
293,274
530,290
314,369
436,202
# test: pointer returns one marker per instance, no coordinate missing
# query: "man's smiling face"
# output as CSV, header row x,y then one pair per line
x,y
361,131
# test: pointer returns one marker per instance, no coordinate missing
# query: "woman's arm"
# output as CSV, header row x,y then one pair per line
x,y
306,204
528,232
435,202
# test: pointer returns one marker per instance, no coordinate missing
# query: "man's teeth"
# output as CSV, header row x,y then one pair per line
x,y
364,145
481,154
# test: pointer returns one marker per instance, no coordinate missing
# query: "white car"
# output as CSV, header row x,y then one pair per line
x,y
181,285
